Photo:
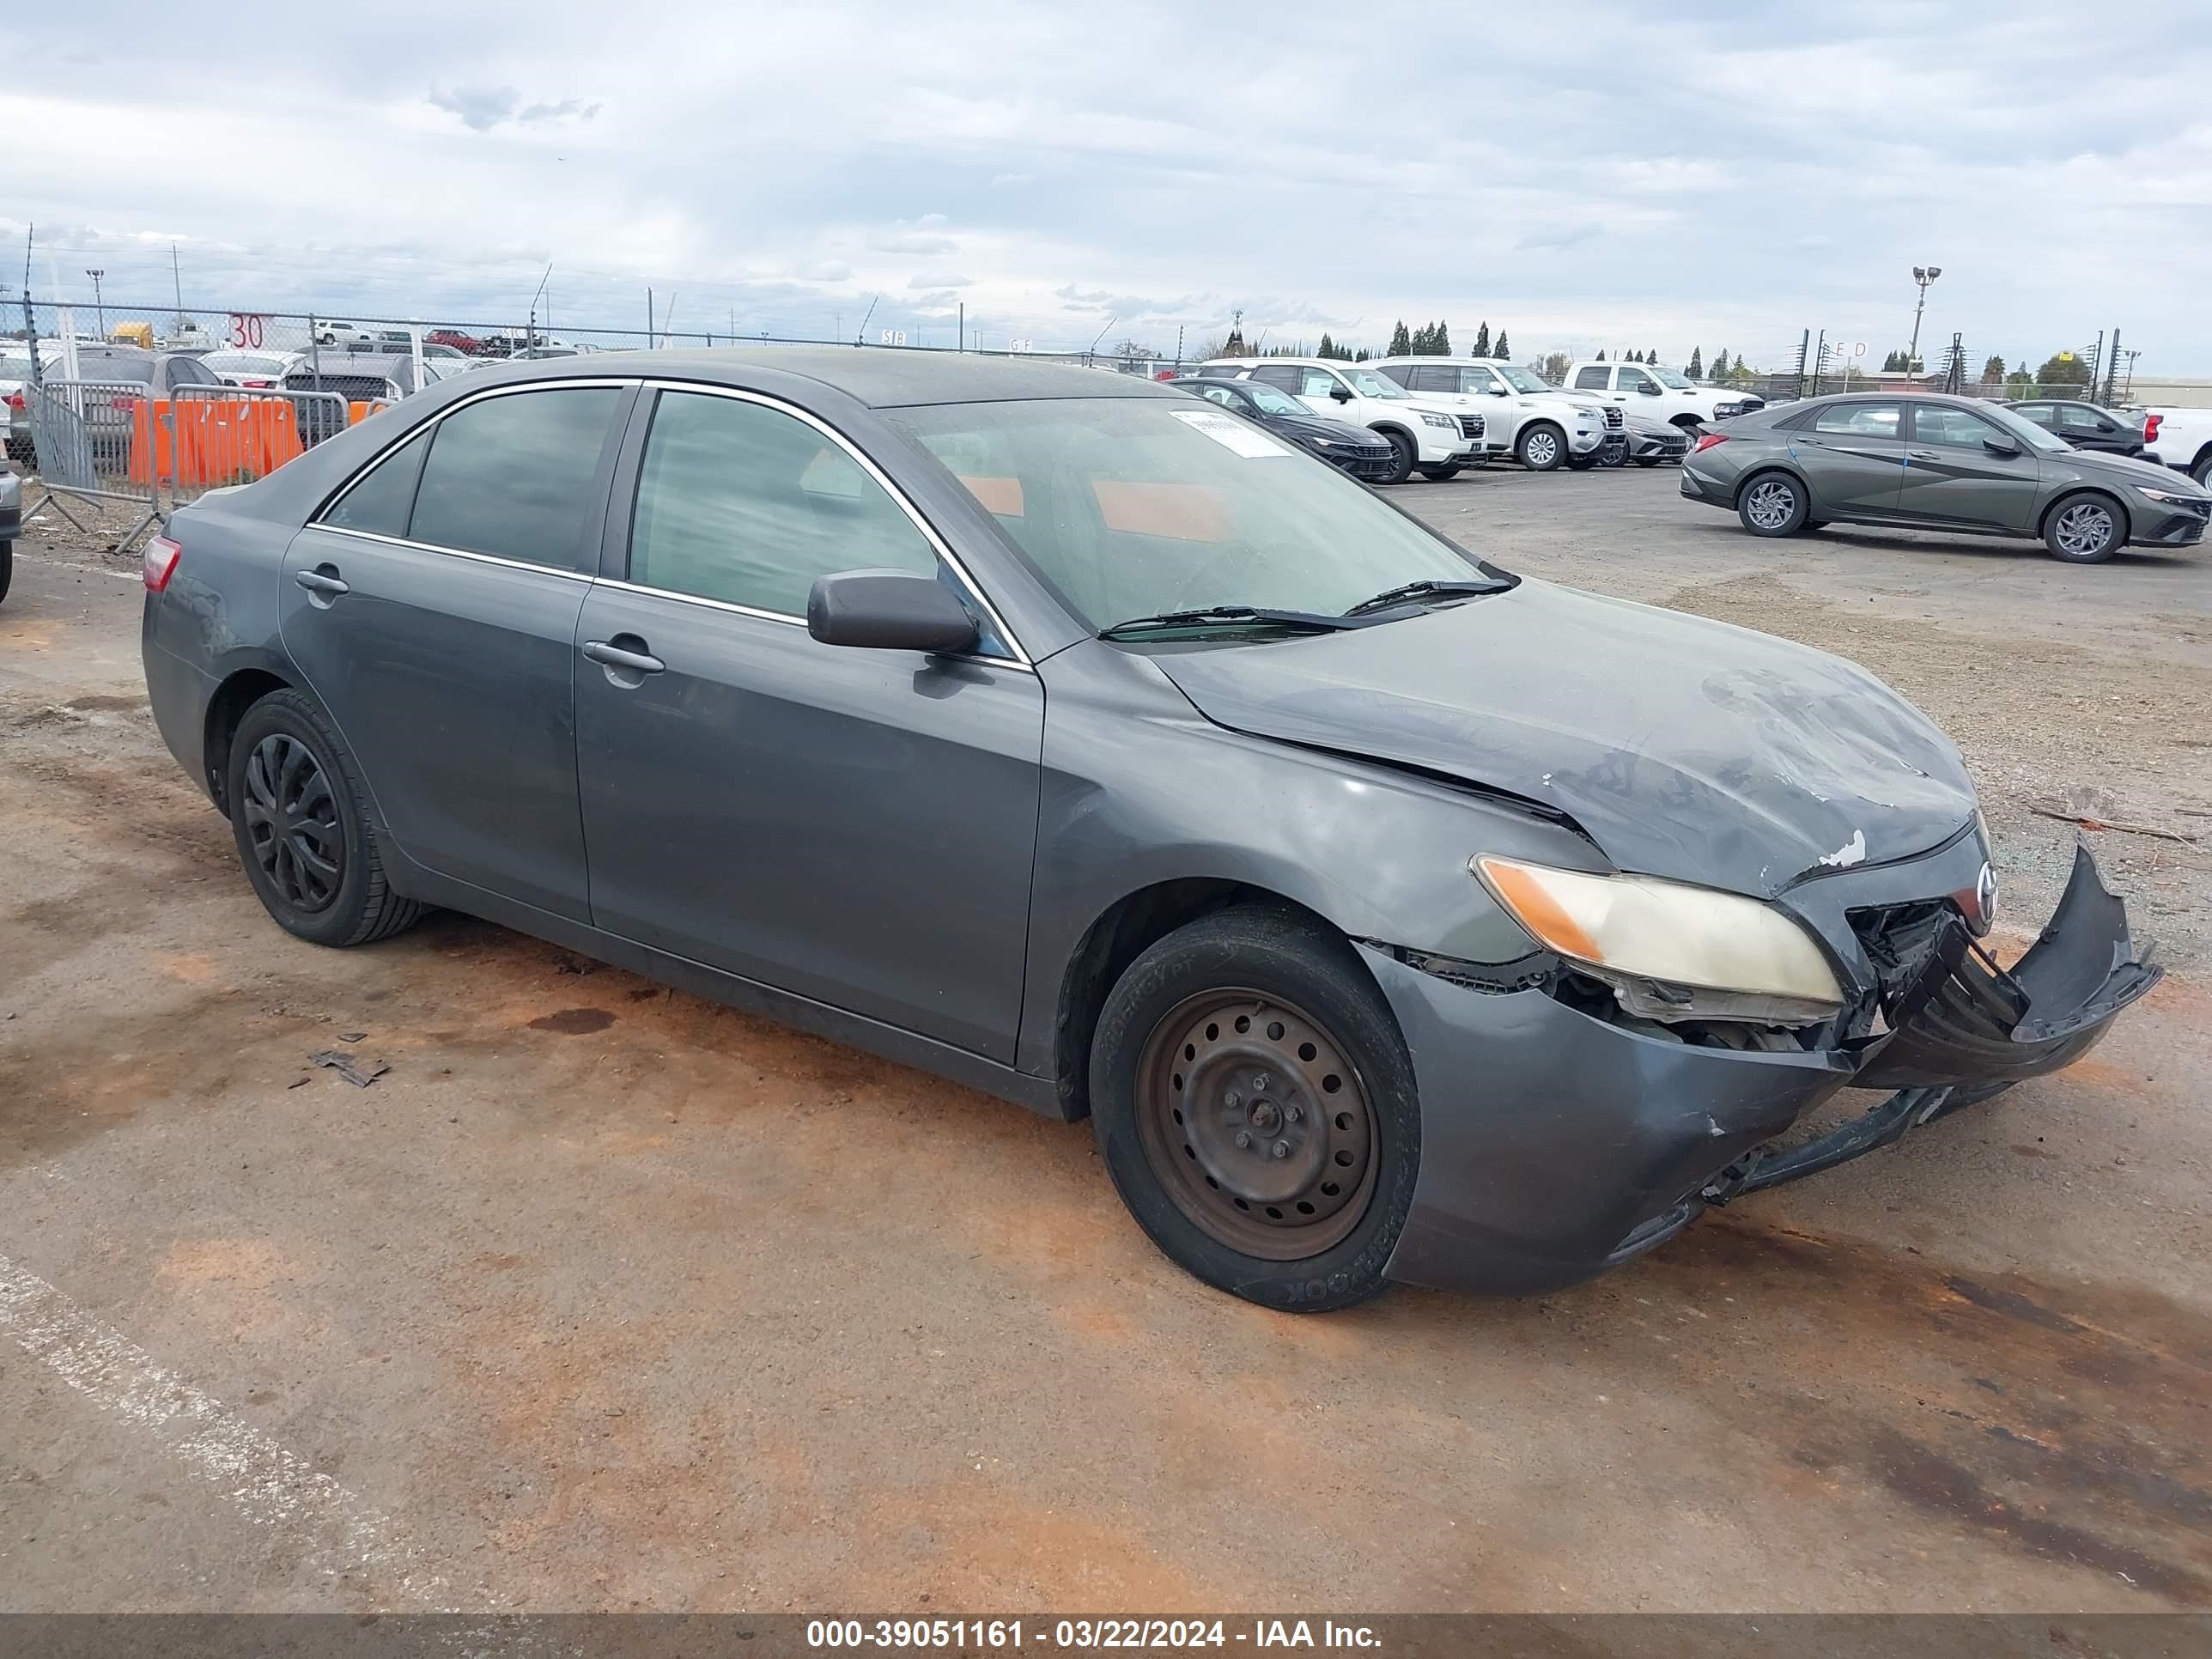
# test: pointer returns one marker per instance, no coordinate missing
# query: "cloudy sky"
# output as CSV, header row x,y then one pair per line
x,y
1649,176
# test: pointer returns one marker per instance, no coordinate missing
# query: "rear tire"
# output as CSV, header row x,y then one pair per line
x,y
2085,529
6,566
1256,1023
1646,460
1774,504
1439,474
300,818
1407,455
1541,447
2202,471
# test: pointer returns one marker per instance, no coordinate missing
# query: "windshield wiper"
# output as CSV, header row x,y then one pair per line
x,y
1312,621
1426,590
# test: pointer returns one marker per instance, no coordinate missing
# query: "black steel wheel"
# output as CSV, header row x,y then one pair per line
x,y
1401,467
1255,1104
291,820
305,834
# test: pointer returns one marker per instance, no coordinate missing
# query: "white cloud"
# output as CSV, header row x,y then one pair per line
x,y
927,280
482,108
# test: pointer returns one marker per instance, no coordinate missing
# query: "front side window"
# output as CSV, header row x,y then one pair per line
x,y
1635,379
1592,378
511,476
746,504
1130,507
1317,383
1954,429
2079,417
1859,420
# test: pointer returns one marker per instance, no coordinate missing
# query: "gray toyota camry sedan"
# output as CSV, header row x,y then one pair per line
x,y
1390,916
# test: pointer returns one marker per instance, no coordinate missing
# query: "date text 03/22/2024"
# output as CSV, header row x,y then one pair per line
x,y
830,1635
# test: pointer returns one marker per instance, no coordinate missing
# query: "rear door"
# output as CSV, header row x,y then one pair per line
x,y
1853,456
855,826
433,608
1953,476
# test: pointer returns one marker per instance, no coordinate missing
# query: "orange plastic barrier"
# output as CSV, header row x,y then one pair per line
x,y
206,442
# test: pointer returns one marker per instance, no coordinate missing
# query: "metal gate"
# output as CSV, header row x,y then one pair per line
x,y
84,442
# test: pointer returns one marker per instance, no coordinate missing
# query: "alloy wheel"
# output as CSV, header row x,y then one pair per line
x,y
1770,504
2084,528
1256,1124
1543,449
292,822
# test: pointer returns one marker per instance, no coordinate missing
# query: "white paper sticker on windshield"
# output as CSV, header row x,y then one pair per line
x,y
1231,433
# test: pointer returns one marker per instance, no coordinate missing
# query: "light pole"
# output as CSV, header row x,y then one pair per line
x,y
98,308
1923,274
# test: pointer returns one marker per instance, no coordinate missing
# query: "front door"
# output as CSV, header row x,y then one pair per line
x,y
855,826
1953,476
433,610
1853,455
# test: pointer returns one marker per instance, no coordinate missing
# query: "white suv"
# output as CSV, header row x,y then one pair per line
x,y
1660,393
1432,435
1524,415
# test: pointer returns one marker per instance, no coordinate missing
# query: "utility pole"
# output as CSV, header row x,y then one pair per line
x,y
648,319
99,307
964,325
177,282
2111,369
530,338
1923,274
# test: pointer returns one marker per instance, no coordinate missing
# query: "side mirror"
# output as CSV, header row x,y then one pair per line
x,y
888,611
1648,390
1499,391
2001,445
1342,395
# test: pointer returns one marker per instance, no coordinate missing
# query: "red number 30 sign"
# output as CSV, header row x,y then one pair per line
x,y
247,331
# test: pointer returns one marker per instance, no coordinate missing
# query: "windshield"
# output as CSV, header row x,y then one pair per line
x,y
1129,507
1521,380
1272,402
1369,384
1667,377
2026,430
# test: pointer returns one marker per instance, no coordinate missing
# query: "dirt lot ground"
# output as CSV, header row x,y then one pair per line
x,y
606,1297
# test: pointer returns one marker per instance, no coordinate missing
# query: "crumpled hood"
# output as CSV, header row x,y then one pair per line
x,y
1687,748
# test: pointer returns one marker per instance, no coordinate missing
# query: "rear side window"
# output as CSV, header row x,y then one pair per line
x,y
1280,375
1860,420
511,476
2042,413
378,505
1591,378
746,504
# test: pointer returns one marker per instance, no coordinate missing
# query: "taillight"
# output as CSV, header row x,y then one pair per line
x,y
2150,427
161,556
257,385
1707,442
15,400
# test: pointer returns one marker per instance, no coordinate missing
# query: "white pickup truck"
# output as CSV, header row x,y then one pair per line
x,y
1661,393
1436,437
1536,424
2181,438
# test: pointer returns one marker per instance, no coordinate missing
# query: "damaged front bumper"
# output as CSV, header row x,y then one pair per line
x,y
1556,1144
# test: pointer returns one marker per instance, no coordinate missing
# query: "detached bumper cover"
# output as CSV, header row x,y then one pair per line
x,y
1555,1145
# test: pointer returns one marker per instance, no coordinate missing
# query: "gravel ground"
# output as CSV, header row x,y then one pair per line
x,y
603,1297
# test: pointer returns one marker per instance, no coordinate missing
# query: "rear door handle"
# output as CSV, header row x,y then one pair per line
x,y
321,579
608,654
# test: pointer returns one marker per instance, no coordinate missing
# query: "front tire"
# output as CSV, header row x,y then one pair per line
x,y
1255,1104
2202,471
300,816
2085,529
6,566
1541,447
1402,469
1774,504
1439,474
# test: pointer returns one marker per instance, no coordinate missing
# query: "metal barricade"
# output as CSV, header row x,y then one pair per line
x,y
210,437
85,445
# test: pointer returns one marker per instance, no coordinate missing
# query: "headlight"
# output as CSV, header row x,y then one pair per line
x,y
2172,498
1696,939
1450,423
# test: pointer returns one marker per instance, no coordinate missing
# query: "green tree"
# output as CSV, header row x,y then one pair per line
x,y
1696,371
1720,364
1327,347
1440,339
1481,340
2062,368
2019,381
1652,355
1401,343
1993,371
1601,353
1362,354
1504,353
1555,365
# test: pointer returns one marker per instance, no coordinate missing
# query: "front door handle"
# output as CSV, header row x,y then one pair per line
x,y
1924,454
323,579
609,654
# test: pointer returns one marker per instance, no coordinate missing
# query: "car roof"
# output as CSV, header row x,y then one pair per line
x,y
878,378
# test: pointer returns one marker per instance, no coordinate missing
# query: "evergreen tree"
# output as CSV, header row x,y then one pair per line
x,y
1440,339
1327,347
1362,354
1720,364
1993,371
1601,353
1503,354
1696,371
1652,355
1401,343
1482,339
